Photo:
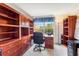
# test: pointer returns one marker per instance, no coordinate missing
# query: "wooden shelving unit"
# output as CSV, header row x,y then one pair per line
x,y
9,24
14,32
25,33
69,29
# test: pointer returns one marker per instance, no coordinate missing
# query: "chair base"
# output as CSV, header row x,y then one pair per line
x,y
38,48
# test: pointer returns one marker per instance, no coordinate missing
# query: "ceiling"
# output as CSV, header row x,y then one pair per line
x,y
41,9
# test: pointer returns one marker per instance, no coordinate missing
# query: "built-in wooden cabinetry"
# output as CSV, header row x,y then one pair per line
x,y
69,25
16,30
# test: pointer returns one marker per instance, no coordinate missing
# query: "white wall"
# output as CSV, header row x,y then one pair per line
x,y
39,9
56,33
58,28
77,29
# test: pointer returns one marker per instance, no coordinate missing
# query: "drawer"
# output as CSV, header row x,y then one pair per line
x,y
6,53
11,51
16,50
9,45
5,48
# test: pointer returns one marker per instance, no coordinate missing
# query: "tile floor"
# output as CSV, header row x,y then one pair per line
x,y
59,50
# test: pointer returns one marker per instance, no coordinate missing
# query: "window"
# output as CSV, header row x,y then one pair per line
x,y
44,25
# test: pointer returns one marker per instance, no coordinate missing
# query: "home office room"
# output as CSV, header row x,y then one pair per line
x,y
39,29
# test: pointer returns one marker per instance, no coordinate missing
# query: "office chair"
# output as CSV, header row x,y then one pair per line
x,y
38,39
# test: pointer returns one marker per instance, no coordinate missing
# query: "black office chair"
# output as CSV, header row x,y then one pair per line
x,y
38,39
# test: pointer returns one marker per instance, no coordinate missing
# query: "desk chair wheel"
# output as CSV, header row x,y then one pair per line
x,y
38,48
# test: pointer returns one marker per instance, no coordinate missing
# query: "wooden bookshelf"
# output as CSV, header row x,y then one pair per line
x,y
8,12
69,29
14,32
7,23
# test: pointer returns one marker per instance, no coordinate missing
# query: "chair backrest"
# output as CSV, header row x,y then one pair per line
x,y
38,38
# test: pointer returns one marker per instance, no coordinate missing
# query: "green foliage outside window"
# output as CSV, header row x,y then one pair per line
x,y
49,29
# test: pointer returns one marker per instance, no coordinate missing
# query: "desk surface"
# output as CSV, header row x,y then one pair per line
x,y
48,35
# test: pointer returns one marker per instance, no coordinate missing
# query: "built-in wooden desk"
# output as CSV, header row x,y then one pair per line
x,y
49,41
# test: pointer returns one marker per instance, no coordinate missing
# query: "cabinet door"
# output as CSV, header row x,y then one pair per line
x,y
49,42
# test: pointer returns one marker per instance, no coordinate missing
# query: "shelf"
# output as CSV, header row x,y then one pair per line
x,y
9,25
5,39
66,35
8,32
31,35
4,42
24,36
31,27
65,26
24,27
66,22
3,15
